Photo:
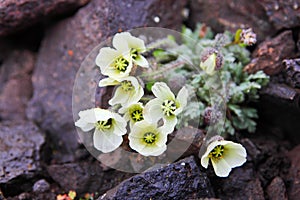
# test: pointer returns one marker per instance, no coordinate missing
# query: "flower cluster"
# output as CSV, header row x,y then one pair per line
x,y
149,124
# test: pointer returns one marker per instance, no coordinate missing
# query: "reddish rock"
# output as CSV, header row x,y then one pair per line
x,y
15,84
231,15
270,54
294,175
19,14
276,190
282,14
65,46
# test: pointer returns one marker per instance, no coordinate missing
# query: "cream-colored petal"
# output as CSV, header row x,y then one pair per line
x,y
210,147
162,91
234,159
102,114
162,137
106,142
152,111
169,124
136,143
182,100
209,64
221,167
120,41
135,96
88,115
108,82
118,97
119,125
136,43
204,161
153,150
84,126
105,57
141,61
237,148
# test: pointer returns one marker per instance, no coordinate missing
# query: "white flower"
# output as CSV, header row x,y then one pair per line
x,y
224,156
128,92
113,63
209,65
109,128
147,139
248,37
165,106
133,113
132,46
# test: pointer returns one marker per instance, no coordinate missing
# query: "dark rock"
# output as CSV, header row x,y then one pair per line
x,y
279,107
19,14
64,48
41,186
282,14
294,173
276,190
180,180
270,54
85,177
241,184
15,84
20,145
292,72
231,15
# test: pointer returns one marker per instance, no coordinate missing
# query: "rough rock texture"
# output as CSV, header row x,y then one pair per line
x,y
19,14
15,84
294,175
231,15
292,72
279,107
270,54
64,48
241,185
181,180
282,14
276,190
85,177
20,145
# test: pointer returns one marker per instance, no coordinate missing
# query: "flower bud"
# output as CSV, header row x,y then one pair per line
x,y
248,37
211,116
211,60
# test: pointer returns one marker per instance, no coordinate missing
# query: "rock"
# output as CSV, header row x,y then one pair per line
x,y
279,107
41,186
292,72
241,184
65,46
270,54
276,190
21,143
231,15
19,14
15,84
85,177
282,14
180,180
294,173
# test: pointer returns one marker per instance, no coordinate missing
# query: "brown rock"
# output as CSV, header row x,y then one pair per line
x,y
282,14
20,160
276,190
231,15
292,72
19,14
85,177
15,84
294,189
270,54
66,45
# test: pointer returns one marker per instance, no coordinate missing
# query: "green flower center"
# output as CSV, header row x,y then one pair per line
x,y
121,64
217,152
134,53
149,137
102,125
168,107
127,86
137,115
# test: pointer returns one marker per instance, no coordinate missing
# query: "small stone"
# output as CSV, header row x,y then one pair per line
x,y
276,190
41,186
